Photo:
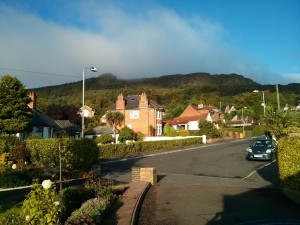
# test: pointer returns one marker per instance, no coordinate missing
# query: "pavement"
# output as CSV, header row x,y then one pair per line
x,y
125,211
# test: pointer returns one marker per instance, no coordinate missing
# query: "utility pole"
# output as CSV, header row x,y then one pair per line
x,y
277,91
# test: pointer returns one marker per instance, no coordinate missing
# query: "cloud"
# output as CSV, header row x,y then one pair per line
x,y
292,76
145,44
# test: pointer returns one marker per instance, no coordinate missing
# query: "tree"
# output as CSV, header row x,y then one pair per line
x,y
115,119
277,122
15,114
64,112
126,134
208,129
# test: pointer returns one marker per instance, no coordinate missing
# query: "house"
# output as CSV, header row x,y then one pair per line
x,y
239,122
190,117
98,131
44,126
87,111
69,130
141,115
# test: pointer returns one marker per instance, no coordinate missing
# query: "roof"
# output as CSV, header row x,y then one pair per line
x,y
132,102
186,119
68,126
204,107
100,130
41,120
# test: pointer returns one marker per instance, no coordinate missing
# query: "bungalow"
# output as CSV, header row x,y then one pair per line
x,y
45,127
239,122
98,131
190,117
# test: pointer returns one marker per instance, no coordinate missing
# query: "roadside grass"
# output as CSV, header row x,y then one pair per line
x,y
11,205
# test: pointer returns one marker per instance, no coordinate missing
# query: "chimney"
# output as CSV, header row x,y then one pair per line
x,y
120,104
143,101
32,96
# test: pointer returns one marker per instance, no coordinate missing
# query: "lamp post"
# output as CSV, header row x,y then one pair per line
x,y
93,69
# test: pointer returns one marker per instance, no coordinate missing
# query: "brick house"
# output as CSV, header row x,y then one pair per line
x,y
141,115
190,117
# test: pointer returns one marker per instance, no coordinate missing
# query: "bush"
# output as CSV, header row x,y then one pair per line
x,y
16,178
10,217
7,142
207,128
288,162
41,205
105,139
183,133
126,134
72,198
90,212
78,154
120,150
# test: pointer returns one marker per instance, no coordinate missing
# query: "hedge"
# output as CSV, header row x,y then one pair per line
x,y
134,148
78,154
289,162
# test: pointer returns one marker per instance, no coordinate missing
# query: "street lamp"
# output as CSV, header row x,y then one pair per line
x,y
93,69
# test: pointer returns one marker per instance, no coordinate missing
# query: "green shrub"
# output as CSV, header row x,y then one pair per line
x,y
104,139
126,134
72,198
120,150
43,151
12,216
183,133
7,142
78,154
288,162
16,178
91,211
102,189
41,205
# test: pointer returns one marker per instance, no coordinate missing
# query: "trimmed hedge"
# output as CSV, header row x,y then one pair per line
x,y
289,162
134,148
78,154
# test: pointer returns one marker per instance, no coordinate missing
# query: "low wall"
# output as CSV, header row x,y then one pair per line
x,y
163,138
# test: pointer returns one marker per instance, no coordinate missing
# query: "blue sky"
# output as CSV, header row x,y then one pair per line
x,y
49,42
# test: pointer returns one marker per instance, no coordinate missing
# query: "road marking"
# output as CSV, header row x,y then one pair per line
x,y
255,171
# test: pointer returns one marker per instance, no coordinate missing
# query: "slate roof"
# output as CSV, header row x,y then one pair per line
x,y
132,102
67,126
100,130
41,120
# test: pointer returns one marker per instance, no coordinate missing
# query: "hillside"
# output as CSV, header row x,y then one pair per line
x,y
171,91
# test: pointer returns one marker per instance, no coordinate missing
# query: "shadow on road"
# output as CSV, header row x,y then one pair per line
x,y
267,203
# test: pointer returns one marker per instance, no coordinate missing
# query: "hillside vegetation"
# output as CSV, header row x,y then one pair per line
x,y
174,92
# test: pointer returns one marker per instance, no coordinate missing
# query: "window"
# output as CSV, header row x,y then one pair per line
x,y
134,114
39,131
158,129
158,115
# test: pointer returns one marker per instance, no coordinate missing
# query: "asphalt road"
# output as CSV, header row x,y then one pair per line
x,y
210,184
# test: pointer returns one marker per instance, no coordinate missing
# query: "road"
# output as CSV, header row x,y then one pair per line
x,y
209,184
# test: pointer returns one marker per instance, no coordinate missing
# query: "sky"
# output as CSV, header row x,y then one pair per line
x,y
52,42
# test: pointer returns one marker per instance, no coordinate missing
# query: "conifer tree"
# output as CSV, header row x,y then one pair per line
x,y
15,114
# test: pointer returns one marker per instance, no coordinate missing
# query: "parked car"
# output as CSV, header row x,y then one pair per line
x,y
262,149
